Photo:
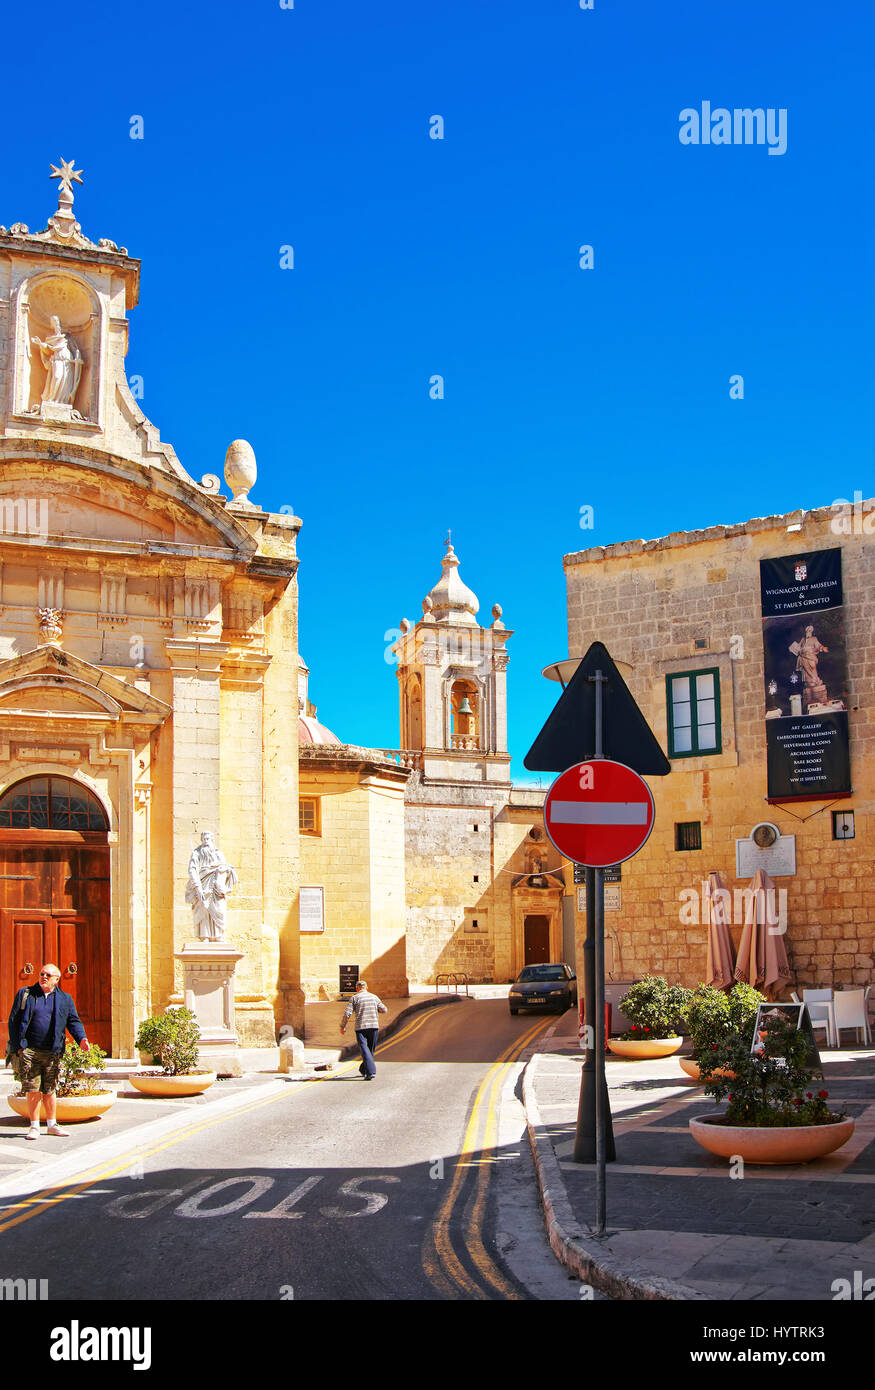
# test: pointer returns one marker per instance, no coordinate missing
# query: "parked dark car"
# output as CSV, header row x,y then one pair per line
x,y
544,987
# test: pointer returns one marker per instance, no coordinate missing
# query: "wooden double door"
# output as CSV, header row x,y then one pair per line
x,y
55,907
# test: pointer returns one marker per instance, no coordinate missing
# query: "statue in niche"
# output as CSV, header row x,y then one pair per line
x,y
63,363
210,880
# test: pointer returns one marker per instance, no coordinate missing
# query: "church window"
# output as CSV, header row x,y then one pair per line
x,y
51,803
309,815
693,700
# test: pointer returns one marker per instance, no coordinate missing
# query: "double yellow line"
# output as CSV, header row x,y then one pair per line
x,y
440,1261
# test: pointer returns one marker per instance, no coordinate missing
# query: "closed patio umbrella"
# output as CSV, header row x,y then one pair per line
x,y
762,958
719,971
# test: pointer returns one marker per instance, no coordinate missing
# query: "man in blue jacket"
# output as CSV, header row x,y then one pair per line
x,y
40,1017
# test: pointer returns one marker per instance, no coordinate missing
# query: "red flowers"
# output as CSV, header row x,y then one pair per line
x,y
810,1095
797,1100
823,1094
714,1047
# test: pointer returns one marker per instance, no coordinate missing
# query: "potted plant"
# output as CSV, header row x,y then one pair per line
x,y
656,1013
79,1096
775,1114
172,1041
713,1016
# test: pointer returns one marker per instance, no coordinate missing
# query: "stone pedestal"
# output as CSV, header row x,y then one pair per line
x,y
208,989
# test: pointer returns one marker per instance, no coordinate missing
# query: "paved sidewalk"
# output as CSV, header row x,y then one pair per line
x,y
679,1226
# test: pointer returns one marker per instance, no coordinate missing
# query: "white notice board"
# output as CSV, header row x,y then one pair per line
x,y
311,912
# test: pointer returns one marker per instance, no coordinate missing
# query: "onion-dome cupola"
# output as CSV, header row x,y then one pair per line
x,y
451,600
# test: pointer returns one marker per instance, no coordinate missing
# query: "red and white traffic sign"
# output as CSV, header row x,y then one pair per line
x,y
599,813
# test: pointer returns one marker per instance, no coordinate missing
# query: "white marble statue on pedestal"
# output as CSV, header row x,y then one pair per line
x,y
210,880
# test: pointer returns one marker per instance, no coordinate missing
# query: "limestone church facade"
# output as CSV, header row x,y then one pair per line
x,y
149,686
148,664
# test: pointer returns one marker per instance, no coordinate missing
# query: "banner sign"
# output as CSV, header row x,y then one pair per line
x,y
806,676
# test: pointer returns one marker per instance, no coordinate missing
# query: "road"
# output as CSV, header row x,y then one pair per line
x,y
418,1185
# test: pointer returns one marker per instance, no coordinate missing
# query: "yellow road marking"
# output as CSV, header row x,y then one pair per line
x,y
412,1027
439,1258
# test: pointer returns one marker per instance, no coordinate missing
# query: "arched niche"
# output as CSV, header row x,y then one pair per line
x,y
414,713
58,341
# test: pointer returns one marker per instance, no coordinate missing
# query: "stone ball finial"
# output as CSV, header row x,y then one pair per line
x,y
240,471
405,624
427,606
496,614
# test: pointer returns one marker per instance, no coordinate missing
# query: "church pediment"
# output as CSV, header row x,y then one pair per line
x,y
110,502
48,681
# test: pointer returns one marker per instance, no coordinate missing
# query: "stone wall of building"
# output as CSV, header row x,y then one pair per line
x,y
357,858
692,601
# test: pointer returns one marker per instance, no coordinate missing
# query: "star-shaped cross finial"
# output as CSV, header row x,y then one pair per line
x,y
66,174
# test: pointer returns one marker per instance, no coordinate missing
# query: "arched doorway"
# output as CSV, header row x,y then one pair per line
x,y
54,896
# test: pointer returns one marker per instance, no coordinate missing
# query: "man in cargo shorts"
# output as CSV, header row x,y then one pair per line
x,y
38,1024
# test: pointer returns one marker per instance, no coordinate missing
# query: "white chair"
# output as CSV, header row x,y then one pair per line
x,y
819,1003
850,1009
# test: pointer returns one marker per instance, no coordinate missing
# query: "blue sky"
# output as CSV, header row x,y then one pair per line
x,y
564,387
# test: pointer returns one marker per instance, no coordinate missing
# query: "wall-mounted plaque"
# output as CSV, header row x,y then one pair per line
x,y
311,911
778,861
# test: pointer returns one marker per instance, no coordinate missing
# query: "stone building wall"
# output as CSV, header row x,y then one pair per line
x,y
651,603
357,857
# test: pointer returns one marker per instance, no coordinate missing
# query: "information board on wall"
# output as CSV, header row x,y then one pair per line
x,y
311,914
806,683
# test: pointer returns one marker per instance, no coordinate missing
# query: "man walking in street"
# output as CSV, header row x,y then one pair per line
x,y
367,1008
40,1017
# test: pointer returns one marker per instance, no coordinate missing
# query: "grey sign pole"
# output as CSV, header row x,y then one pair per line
x,y
602,1104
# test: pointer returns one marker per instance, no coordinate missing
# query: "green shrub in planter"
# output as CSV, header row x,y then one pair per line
x,y
713,1015
172,1039
768,1088
655,1009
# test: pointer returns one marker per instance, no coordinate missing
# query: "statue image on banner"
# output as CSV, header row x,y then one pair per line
x,y
806,653
210,880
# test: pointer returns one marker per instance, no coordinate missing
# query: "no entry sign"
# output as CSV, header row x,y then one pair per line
x,y
599,813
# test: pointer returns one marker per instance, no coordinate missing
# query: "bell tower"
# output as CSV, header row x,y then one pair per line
x,y
452,676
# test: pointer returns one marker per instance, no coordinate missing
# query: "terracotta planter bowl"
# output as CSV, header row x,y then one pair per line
x,y
192,1085
646,1049
69,1109
793,1144
691,1067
